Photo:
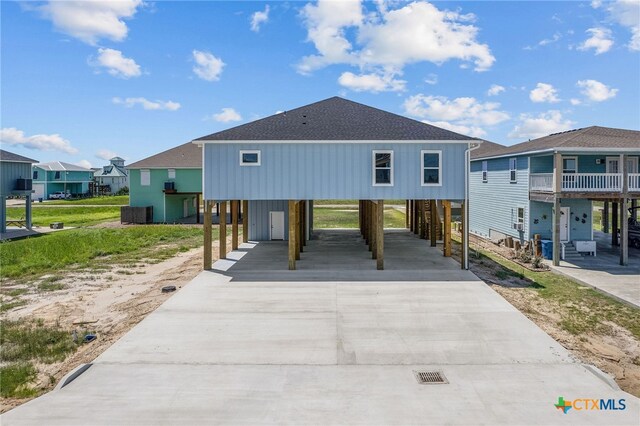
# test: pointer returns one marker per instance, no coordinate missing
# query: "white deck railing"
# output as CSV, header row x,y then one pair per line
x,y
584,182
634,182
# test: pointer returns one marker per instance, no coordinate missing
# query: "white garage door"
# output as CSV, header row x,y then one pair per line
x,y
39,190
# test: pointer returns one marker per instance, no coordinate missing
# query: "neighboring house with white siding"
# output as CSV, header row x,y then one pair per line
x,y
114,176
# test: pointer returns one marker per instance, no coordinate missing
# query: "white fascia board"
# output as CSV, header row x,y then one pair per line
x,y
341,142
573,150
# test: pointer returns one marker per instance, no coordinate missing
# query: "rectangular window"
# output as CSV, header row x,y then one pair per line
x,y
35,175
145,177
250,158
513,169
431,164
172,173
56,175
570,165
382,168
485,169
521,215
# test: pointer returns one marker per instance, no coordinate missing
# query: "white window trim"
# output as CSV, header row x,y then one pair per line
x,y
524,215
571,157
430,151
250,151
374,168
171,173
515,180
148,173
485,171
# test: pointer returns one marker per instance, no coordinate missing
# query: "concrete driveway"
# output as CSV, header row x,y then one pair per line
x,y
253,343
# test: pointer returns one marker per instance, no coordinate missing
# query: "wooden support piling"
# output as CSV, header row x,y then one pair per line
x,y
207,235
624,233
223,230
463,237
297,229
234,224
433,222
614,224
415,216
447,228
380,235
245,221
292,235
374,233
406,214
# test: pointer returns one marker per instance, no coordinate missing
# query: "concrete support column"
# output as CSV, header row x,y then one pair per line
x,y
27,212
223,230
292,235
374,233
556,230
447,228
433,222
207,235
605,218
624,233
380,235
245,221
234,224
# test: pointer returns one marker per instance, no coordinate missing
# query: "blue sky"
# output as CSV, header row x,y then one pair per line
x,y
83,81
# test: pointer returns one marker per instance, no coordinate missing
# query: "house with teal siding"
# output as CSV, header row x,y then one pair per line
x,y
332,149
547,186
170,182
58,176
15,180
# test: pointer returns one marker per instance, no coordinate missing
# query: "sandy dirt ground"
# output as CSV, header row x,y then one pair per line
x,y
107,303
617,352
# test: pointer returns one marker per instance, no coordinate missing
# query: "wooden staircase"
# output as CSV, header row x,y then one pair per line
x,y
426,219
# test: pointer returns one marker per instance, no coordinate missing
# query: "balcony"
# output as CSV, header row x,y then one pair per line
x,y
584,182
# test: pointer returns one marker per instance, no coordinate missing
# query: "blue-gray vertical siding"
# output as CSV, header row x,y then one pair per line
x,y
328,170
259,218
580,209
493,204
9,172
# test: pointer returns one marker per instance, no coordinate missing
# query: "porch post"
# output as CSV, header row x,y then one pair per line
x,y
434,223
557,189
605,218
447,228
223,230
207,235
292,235
380,236
234,224
27,212
245,221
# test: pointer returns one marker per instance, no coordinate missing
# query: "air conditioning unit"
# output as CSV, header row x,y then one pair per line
x,y
24,184
518,226
169,186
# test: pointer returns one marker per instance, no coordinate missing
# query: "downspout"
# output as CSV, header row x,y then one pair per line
x,y
465,225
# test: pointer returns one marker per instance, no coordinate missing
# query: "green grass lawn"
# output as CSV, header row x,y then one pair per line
x,y
70,216
114,200
325,217
353,202
95,248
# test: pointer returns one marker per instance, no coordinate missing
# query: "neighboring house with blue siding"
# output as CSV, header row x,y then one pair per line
x,y
517,190
332,149
15,180
58,176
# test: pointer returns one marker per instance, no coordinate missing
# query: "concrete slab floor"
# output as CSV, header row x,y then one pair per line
x,y
310,350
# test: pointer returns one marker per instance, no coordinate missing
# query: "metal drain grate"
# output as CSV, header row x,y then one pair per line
x,y
430,377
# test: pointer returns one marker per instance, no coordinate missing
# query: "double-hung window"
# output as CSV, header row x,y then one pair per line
x,y
485,171
570,165
513,169
35,175
145,177
382,168
171,173
431,165
250,157
56,175
521,215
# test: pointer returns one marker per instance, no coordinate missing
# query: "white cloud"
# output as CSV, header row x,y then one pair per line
x,y
259,18
627,14
462,115
596,3
473,131
91,21
55,142
531,127
371,82
227,115
431,79
555,38
596,91
84,163
207,67
147,104
388,39
600,40
106,154
116,64
544,93
575,101
495,90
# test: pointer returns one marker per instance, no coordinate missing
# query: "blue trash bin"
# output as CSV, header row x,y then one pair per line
x,y
547,249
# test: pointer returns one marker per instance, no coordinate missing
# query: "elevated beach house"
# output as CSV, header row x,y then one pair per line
x,y
170,182
15,180
58,176
547,186
111,178
332,149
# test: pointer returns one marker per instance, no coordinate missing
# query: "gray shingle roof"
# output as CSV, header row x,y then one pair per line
x,y
187,155
335,119
110,171
485,149
15,158
588,137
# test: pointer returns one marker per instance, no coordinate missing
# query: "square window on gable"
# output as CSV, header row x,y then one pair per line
x,y
382,168
250,158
